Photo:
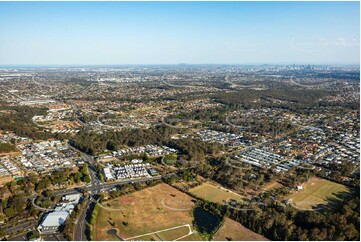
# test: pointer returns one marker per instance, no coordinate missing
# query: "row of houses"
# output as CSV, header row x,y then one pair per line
x,y
9,137
43,156
127,171
338,153
64,131
150,150
221,137
8,171
8,164
263,158
57,121
32,102
334,147
3,171
51,116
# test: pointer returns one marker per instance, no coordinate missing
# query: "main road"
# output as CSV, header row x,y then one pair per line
x,y
80,226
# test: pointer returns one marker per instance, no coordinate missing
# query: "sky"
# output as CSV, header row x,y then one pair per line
x,y
100,33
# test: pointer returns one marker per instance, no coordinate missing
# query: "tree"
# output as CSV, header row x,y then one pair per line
x,y
47,193
5,147
137,186
33,235
77,177
84,169
10,212
86,178
2,232
71,180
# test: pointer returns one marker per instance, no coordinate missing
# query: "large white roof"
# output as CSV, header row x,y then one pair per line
x,y
55,219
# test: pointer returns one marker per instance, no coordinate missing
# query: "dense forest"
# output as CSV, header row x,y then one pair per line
x,y
195,150
291,99
93,143
279,223
5,147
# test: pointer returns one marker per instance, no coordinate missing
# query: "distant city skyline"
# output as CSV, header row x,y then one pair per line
x,y
123,33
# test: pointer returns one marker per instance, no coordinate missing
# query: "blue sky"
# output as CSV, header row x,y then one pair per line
x,y
179,32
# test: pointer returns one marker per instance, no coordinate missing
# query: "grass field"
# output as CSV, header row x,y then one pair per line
x,y
231,230
192,237
152,209
271,185
214,194
184,184
166,235
318,191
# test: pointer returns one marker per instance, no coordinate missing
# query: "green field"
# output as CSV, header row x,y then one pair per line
x,y
318,192
214,193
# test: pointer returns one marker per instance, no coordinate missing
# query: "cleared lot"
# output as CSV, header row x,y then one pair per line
x,y
148,213
214,193
231,230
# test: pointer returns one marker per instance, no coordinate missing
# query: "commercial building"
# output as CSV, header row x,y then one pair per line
x,y
53,220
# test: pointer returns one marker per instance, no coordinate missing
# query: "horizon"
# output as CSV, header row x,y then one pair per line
x,y
175,64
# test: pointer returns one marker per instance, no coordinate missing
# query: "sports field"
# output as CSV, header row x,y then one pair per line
x,y
214,193
160,213
317,191
232,230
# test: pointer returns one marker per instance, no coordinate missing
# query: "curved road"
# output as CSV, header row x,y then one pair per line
x,y
40,208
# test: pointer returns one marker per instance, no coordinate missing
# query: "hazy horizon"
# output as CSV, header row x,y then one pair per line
x,y
175,64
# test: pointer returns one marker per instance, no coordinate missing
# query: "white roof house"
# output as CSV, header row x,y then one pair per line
x,y
74,198
108,174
